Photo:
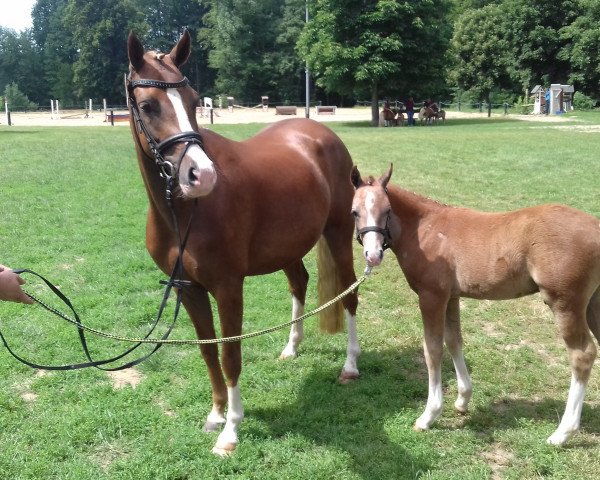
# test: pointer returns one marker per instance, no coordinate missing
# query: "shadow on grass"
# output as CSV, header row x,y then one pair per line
x,y
508,413
351,418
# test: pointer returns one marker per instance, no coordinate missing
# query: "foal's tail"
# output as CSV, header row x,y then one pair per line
x,y
331,319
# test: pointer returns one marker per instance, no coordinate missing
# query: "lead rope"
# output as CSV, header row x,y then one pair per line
x,y
166,341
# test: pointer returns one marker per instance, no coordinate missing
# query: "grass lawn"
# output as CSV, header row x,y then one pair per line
x,y
73,208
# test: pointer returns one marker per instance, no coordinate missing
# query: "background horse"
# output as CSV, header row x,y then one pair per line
x,y
447,253
255,206
426,115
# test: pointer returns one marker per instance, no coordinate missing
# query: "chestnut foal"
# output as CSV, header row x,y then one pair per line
x,y
447,253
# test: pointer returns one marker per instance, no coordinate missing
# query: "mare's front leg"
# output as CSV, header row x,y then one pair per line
x,y
433,310
297,281
196,302
230,305
454,342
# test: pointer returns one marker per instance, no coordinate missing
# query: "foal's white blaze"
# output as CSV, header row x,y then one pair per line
x,y
203,168
372,241
570,420
228,438
296,332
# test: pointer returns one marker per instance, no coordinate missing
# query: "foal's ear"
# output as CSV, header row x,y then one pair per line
x,y
181,51
135,51
385,178
355,177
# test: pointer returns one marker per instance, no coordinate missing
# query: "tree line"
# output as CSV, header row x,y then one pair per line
x,y
493,51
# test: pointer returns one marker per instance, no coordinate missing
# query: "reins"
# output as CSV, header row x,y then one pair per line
x,y
167,172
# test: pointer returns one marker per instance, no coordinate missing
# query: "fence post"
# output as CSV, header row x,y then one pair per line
x,y
112,118
480,107
459,105
8,118
505,108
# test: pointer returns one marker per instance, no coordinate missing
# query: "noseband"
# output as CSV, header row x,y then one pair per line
x,y
385,231
167,170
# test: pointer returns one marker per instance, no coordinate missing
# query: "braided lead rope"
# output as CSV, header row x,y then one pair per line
x,y
205,341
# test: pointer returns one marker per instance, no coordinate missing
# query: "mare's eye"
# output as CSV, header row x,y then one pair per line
x,y
146,107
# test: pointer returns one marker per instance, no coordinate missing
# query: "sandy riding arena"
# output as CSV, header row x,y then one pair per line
x,y
237,115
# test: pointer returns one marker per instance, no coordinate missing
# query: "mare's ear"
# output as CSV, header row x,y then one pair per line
x,y
355,177
181,51
135,51
385,178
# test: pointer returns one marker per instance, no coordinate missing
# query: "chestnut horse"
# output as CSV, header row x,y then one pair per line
x,y
447,253
255,206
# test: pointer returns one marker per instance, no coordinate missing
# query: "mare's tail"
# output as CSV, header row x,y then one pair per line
x,y
331,319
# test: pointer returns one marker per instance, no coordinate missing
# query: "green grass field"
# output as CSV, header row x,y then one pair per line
x,y
73,208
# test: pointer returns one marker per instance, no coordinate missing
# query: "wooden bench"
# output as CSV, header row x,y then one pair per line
x,y
326,109
285,110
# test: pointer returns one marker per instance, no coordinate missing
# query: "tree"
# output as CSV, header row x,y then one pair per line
x,y
480,50
21,63
582,49
376,47
252,47
166,20
100,34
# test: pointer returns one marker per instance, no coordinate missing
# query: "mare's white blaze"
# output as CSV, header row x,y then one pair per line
x,y
296,332
570,420
235,414
353,349
200,161
372,241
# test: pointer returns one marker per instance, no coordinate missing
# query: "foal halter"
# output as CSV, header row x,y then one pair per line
x,y
167,170
385,231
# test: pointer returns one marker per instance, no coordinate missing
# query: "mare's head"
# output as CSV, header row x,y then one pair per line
x,y
372,211
163,107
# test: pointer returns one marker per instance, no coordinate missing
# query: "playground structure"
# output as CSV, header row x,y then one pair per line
x,y
561,99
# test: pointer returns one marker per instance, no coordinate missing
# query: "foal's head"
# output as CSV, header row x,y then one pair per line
x,y
164,112
371,209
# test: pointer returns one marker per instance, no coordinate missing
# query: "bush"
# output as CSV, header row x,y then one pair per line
x,y
582,102
17,100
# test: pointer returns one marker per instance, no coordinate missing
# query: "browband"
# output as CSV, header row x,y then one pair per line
x,y
144,82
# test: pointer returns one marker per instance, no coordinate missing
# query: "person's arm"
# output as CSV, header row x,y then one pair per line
x,y
10,286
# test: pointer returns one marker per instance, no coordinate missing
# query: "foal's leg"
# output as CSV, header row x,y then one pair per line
x,y
433,307
570,314
454,342
230,304
593,314
298,280
339,241
196,302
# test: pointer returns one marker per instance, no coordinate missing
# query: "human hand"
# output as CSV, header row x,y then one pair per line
x,y
10,286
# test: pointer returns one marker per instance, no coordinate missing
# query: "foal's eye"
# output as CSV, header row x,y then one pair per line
x,y
354,213
147,108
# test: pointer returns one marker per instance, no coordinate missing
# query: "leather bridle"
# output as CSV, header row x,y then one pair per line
x,y
167,170
384,231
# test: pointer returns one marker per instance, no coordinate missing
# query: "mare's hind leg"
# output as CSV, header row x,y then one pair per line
x,y
433,307
298,280
454,342
196,302
571,316
340,241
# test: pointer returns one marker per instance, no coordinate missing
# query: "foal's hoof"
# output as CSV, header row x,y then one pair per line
x,y
224,449
212,427
285,355
347,376
416,428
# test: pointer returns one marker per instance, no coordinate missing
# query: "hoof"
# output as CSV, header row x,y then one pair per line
x,y
285,355
212,427
461,410
416,428
347,377
224,450
559,438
